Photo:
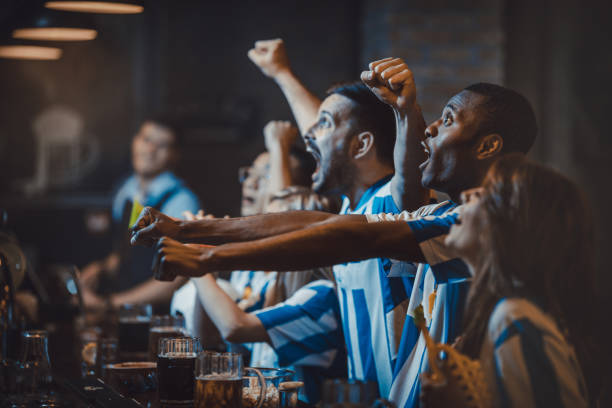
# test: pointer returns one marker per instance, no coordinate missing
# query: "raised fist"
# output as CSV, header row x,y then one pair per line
x,y
174,259
151,226
280,134
270,57
392,82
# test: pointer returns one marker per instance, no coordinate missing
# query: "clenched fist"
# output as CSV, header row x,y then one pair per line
x,y
173,259
151,226
270,57
392,82
280,134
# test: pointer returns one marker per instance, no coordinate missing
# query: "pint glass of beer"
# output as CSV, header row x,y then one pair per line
x,y
164,326
175,369
219,381
134,322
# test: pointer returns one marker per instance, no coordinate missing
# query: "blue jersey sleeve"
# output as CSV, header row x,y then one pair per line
x,y
430,233
305,329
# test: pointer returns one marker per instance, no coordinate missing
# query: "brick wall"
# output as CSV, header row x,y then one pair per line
x,y
447,44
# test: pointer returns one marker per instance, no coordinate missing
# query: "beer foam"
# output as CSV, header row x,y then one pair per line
x,y
217,377
179,354
167,329
132,365
135,319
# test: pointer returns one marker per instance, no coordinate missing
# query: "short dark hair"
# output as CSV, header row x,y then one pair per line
x,y
171,123
372,115
507,113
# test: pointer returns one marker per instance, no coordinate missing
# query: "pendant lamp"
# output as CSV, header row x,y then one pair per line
x,y
29,52
101,7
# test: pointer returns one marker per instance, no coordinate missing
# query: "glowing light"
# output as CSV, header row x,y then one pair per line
x,y
104,7
30,52
55,34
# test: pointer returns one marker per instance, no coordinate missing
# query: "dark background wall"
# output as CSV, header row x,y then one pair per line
x,y
189,58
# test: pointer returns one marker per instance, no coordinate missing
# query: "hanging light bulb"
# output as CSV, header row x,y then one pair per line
x,y
102,7
50,25
30,52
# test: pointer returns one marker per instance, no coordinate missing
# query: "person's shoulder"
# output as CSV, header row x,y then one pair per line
x,y
520,315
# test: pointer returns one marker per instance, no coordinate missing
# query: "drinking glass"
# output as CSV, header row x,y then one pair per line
x,y
134,322
219,381
165,326
274,377
35,367
175,369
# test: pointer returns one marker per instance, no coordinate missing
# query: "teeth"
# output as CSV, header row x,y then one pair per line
x,y
426,148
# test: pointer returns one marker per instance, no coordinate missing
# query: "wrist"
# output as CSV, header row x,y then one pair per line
x,y
284,76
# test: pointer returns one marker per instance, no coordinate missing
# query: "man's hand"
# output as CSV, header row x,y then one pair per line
x,y
151,225
280,134
392,82
270,57
173,258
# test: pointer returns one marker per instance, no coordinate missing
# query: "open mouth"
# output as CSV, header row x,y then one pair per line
x,y
314,151
427,153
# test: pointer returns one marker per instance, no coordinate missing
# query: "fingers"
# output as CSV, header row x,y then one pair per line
x,y
145,236
173,258
374,64
266,44
397,80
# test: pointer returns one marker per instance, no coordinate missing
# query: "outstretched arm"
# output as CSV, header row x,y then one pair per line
x,y
339,240
392,82
234,324
270,56
152,225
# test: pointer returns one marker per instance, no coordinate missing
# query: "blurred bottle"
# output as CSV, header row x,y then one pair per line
x,y
34,373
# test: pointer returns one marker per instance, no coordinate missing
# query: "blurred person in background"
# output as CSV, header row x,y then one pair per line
x,y
125,273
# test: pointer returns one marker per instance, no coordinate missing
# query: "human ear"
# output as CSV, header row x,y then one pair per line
x,y
489,146
362,144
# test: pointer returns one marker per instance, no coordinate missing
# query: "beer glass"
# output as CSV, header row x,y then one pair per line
x,y
164,327
219,381
134,322
175,369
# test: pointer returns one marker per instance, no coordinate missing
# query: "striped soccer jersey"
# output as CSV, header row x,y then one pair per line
x,y
528,361
305,334
373,306
440,287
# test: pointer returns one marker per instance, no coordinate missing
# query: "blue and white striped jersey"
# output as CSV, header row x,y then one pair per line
x,y
440,287
252,287
373,305
306,335
528,360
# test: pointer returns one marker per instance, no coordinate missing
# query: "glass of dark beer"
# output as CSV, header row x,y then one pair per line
x,y
134,323
162,327
175,369
219,381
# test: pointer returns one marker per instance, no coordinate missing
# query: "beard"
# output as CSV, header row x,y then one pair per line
x,y
333,175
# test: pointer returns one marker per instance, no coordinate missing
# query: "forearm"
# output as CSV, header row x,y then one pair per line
x,y
220,231
233,323
280,170
303,103
338,241
408,154
151,291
